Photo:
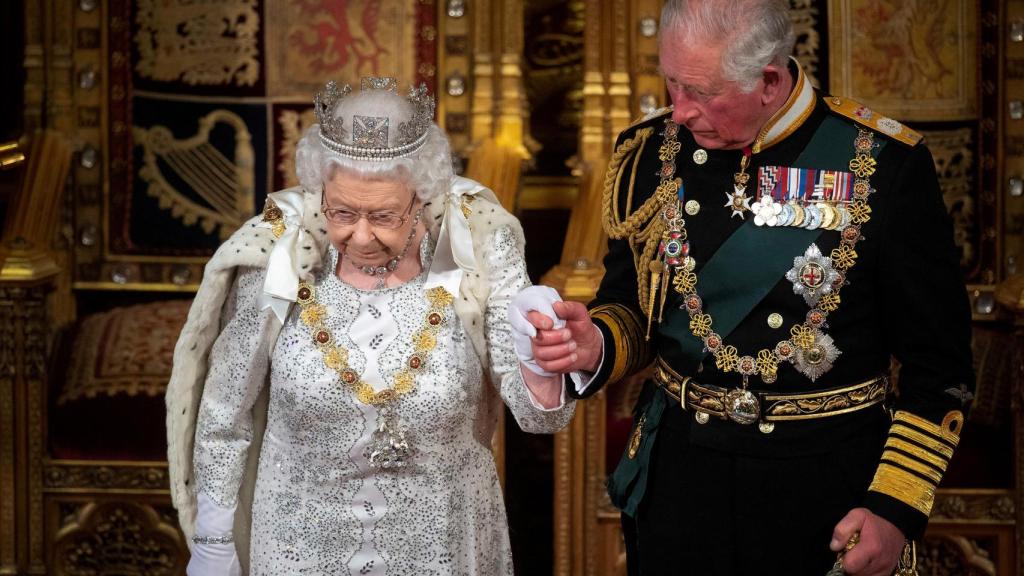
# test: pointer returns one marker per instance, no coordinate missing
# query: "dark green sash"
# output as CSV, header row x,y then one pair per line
x,y
739,275
753,259
626,486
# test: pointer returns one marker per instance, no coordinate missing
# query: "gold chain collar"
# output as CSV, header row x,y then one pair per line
x,y
805,336
424,341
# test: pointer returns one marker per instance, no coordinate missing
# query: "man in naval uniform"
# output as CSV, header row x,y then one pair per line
x,y
771,249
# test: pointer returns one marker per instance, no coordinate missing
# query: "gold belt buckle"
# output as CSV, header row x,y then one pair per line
x,y
742,406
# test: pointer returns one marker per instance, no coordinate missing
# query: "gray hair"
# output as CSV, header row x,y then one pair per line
x,y
756,33
428,170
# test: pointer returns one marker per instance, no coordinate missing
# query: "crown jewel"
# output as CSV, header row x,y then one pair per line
x,y
369,136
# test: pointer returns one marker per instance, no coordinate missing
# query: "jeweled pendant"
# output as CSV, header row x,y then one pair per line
x,y
389,449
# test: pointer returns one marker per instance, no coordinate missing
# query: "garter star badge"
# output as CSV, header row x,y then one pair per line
x,y
812,275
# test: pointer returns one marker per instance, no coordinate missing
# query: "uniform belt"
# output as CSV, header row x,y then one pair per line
x,y
748,406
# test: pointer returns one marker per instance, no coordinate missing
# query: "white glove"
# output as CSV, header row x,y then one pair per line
x,y
209,559
537,298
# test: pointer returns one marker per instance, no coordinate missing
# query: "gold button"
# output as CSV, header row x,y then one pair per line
x,y
775,320
700,156
692,207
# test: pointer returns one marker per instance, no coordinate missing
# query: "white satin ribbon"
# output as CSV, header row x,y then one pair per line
x,y
453,255
280,289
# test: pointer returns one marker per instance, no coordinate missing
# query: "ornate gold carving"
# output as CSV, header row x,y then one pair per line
x,y
24,339
804,15
953,153
105,476
210,42
8,367
226,186
987,506
949,555
131,538
293,124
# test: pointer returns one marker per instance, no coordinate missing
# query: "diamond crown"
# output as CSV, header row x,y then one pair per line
x,y
367,137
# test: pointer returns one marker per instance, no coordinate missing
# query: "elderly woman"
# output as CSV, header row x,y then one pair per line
x,y
337,384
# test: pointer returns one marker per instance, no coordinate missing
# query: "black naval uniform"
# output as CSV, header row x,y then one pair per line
x,y
726,498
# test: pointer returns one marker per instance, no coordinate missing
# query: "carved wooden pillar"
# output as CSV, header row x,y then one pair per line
x,y
587,539
500,116
620,78
24,338
28,275
1010,297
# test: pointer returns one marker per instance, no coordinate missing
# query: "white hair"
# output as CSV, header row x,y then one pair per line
x,y
428,170
755,33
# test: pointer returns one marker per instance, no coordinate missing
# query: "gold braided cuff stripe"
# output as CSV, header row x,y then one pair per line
x,y
627,335
905,487
924,440
916,455
904,461
926,456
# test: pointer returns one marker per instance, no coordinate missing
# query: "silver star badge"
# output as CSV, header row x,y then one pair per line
x,y
812,275
818,359
738,201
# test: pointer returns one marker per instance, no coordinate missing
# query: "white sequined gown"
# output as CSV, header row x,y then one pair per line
x,y
319,508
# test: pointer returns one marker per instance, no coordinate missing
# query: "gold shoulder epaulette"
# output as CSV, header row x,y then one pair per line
x,y
866,116
650,116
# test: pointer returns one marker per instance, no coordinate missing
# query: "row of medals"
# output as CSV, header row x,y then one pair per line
x,y
810,216
767,212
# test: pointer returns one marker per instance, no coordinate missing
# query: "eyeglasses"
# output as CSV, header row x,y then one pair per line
x,y
386,220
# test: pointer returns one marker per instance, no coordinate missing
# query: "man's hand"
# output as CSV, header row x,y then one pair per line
x,y
877,552
574,347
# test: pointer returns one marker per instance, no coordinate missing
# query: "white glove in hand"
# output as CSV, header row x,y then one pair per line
x,y
537,298
213,559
